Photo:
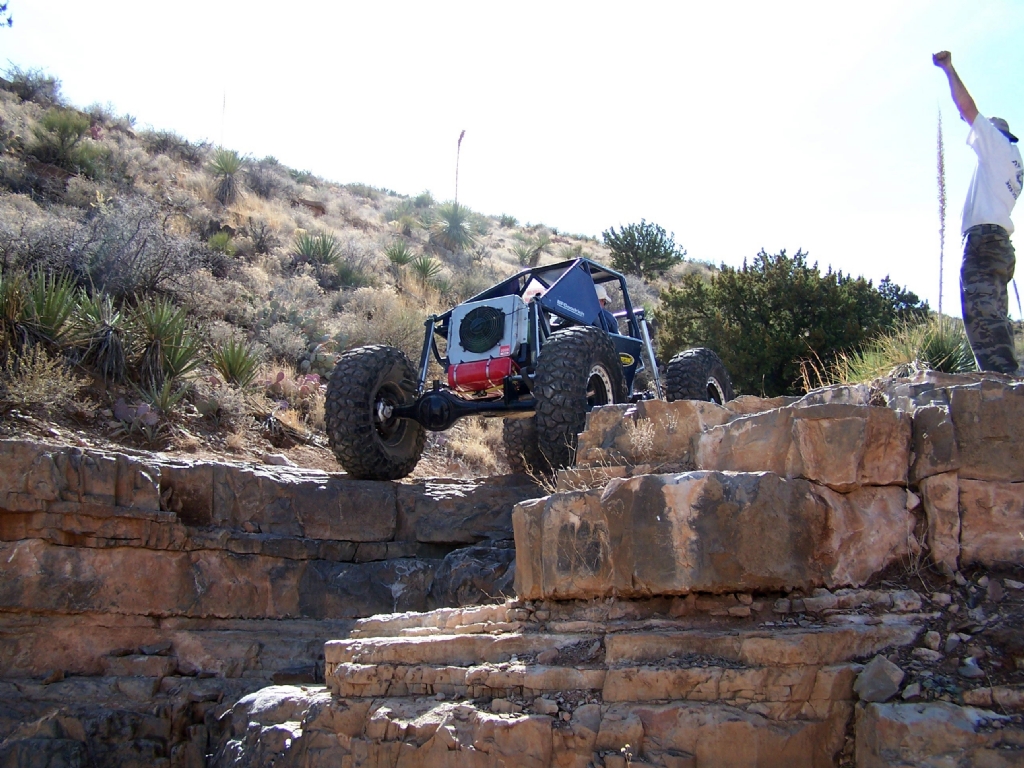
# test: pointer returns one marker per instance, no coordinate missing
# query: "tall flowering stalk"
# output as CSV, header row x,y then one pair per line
x,y
940,161
458,152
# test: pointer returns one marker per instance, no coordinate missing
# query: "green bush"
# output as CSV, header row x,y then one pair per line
x,y
424,199
221,242
508,221
60,140
771,314
34,85
642,249
529,249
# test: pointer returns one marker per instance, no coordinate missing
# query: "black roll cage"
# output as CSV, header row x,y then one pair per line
x,y
568,295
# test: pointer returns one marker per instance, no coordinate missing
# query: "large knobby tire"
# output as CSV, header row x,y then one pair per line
x,y
578,369
522,450
367,440
697,374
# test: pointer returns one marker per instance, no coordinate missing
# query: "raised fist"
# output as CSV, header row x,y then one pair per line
x,y
942,59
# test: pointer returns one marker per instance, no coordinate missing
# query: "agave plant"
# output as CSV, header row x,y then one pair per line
x,y
318,249
453,229
226,165
237,362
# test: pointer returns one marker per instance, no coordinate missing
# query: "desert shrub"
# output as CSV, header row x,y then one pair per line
x,y
508,221
304,177
34,85
127,249
351,276
237,361
372,316
102,338
575,251
285,342
423,200
362,190
265,180
453,228
60,139
766,317
221,242
36,379
261,235
226,166
643,249
171,144
14,333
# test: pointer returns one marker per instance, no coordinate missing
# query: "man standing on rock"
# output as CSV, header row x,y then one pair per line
x,y
988,254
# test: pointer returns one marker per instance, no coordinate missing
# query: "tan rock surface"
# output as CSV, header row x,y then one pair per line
x,y
988,418
992,519
940,495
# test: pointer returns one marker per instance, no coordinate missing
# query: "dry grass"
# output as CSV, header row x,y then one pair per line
x,y
37,380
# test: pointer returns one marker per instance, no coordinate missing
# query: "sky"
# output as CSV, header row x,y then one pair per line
x,y
736,126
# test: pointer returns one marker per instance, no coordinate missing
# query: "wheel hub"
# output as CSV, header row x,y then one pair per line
x,y
599,387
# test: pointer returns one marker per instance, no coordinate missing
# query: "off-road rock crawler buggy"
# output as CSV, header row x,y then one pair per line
x,y
527,350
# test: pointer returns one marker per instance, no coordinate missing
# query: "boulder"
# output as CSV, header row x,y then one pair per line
x,y
934,443
989,421
991,522
841,446
705,531
879,680
929,735
940,495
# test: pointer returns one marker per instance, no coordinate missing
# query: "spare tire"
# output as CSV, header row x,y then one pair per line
x,y
697,374
578,369
368,441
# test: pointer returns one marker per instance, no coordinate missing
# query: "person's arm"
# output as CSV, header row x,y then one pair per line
x,y
968,111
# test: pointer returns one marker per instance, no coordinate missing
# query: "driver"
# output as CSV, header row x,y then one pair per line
x,y
605,320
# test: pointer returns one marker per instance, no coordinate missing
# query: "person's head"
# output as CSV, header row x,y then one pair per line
x,y
1004,128
602,295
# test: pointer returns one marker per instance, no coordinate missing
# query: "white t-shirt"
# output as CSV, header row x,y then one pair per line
x,y
997,179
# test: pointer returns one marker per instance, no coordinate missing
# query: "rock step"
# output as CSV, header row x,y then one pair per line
x,y
570,731
825,644
806,690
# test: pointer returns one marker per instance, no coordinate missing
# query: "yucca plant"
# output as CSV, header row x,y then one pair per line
x,y
50,306
164,398
226,165
237,362
529,249
453,229
102,337
399,253
170,346
425,267
318,249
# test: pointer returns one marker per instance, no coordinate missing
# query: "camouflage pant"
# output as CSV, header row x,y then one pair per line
x,y
987,268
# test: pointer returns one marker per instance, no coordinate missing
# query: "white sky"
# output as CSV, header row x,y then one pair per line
x,y
735,125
